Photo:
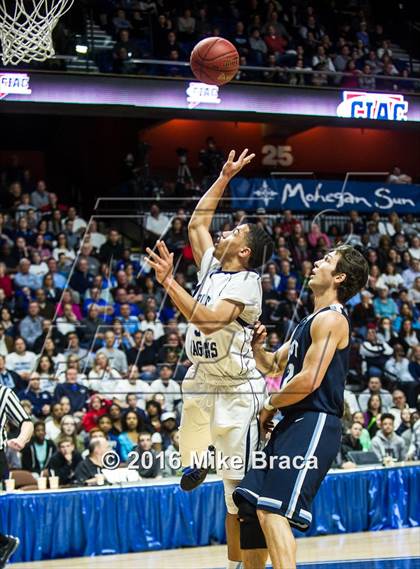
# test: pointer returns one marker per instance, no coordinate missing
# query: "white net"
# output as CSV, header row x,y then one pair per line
x,y
26,28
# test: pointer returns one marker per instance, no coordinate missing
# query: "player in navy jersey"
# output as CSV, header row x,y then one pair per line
x,y
303,445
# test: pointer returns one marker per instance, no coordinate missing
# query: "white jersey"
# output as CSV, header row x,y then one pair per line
x,y
225,356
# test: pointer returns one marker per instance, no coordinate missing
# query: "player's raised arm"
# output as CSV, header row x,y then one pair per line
x,y
269,363
200,222
207,320
329,332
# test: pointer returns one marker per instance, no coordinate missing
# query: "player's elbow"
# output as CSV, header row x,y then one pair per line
x,y
209,327
193,224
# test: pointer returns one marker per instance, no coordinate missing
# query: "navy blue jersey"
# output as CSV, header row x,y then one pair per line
x,y
329,397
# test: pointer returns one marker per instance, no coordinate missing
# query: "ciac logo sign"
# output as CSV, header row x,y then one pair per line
x,y
376,106
198,93
14,84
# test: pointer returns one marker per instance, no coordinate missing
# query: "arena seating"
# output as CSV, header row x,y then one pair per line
x,y
300,44
82,315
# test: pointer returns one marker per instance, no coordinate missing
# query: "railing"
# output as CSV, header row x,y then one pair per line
x,y
276,75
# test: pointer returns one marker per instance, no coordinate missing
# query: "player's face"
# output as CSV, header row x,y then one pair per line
x,y
230,244
322,277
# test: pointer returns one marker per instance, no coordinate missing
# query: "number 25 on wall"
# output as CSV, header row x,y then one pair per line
x,y
276,155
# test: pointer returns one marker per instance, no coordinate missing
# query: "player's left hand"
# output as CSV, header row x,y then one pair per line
x,y
266,421
163,264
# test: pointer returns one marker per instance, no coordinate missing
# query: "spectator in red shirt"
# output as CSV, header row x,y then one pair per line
x,y
288,223
353,79
97,407
276,44
5,281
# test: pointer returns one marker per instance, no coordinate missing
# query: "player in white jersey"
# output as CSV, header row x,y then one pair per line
x,y
223,391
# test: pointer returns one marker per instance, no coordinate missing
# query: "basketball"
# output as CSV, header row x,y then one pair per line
x,y
214,61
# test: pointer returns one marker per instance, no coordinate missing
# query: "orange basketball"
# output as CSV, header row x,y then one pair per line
x,y
214,61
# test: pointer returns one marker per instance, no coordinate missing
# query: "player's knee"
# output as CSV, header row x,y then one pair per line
x,y
251,534
230,487
262,516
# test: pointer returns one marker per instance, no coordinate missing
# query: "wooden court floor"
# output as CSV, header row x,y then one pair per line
x,y
369,546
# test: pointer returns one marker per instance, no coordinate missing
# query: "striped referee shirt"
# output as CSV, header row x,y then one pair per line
x,y
10,410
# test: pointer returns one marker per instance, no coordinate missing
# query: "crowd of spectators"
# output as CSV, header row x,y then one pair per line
x,y
300,43
290,39
94,349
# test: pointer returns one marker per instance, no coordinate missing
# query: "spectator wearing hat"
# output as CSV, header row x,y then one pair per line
x,y
168,422
157,442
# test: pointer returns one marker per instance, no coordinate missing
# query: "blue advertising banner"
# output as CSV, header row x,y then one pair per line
x,y
316,195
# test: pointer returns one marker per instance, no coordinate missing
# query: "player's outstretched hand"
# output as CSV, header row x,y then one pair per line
x,y
162,263
260,335
231,167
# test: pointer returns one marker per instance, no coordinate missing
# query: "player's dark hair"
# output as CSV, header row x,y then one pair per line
x,y
354,265
261,245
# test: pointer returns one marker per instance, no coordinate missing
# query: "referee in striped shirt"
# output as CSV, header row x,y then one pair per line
x,y
11,410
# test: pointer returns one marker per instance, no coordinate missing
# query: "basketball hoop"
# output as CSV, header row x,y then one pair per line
x,y
26,28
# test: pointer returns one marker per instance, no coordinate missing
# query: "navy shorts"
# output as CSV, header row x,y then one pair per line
x,y
300,452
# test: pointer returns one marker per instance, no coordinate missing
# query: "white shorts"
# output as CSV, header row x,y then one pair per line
x,y
222,416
